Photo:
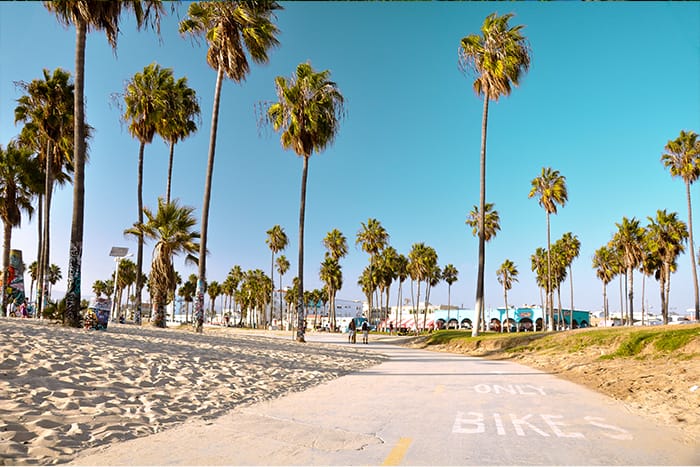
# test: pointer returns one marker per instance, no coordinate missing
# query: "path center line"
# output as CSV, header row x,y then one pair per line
x,y
396,455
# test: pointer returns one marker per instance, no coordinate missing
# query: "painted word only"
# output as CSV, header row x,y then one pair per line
x,y
514,389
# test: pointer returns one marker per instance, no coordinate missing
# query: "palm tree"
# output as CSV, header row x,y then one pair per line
x,y
507,274
33,274
231,28
498,58
682,158
214,290
89,15
571,248
538,265
172,229
665,236
337,246
17,171
282,268
46,110
604,264
373,238
308,113
388,273
146,99
628,240
179,121
449,275
421,261
401,269
492,224
54,275
550,187
277,241
332,276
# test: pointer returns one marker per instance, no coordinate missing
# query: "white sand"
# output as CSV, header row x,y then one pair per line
x,y
64,390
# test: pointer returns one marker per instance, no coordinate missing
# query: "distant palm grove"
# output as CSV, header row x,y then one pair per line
x,y
52,148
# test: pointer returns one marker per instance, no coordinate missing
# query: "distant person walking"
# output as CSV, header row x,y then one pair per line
x,y
351,331
365,333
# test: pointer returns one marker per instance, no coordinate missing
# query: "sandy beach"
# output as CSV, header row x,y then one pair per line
x,y
66,390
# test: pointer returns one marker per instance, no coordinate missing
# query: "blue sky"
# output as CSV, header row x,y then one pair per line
x,y
609,85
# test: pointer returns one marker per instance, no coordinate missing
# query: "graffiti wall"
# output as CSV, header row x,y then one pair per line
x,y
15,278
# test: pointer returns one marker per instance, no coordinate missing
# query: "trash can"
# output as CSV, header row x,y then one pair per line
x,y
97,316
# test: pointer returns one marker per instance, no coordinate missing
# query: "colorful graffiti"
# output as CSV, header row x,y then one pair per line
x,y
15,278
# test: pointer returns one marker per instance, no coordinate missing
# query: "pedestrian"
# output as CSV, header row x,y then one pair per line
x,y
351,331
365,332
391,328
23,310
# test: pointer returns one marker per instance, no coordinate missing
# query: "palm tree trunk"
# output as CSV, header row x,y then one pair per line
x,y
40,243
630,294
505,299
76,234
170,171
7,239
605,302
139,249
692,253
644,276
561,316
300,274
550,312
571,310
482,215
272,295
202,270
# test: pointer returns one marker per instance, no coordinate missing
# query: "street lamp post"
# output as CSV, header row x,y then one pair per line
x,y
119,253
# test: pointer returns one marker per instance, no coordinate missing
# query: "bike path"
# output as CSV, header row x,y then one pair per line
x,y
418,408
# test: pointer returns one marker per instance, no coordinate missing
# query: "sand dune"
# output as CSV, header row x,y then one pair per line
x,y
64,390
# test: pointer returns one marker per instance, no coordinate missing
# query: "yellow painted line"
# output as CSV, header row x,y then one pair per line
x,y
439,389
396,455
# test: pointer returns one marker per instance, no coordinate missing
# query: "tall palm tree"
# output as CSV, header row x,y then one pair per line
x,y
571,248
385,275
507,274
665,236
498,58
282,268
421,262
87,16
550,188
492,224
171,226
46,111
682,158
337,246
449,275
629,240
33,270
214,290
603,263
179,121
146,99
53,276
332,276
277,241
538,265
373,238
231,28
18,170
401,269
308,113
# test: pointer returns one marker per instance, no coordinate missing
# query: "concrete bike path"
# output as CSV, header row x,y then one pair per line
x,y
418,408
